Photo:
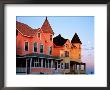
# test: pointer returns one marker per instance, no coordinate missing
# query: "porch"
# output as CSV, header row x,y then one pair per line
x,y
38,64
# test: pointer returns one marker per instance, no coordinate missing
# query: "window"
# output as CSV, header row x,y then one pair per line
x,y
41,48
66,65
35,47
38,35
26,46
50,37
50,50
66,54
35,62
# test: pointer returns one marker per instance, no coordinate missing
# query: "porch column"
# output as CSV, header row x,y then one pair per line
x,y
51,63
26,66
60,64
75,67
48,62
41,62
80,68
30,64
57,64
45,63
69,66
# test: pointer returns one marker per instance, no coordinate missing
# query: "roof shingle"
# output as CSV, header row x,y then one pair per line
x,y
59,40
25,29
46,28
76,39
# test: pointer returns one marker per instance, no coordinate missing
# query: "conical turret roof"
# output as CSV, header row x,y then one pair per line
x,y
76,39
46,28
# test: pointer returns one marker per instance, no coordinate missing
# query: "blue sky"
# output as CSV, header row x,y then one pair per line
x,y
65,25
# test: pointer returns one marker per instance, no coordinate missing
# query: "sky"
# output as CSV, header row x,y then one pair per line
x,y
67,26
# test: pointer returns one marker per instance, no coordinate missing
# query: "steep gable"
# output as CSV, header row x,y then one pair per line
x,y
25,29
46,28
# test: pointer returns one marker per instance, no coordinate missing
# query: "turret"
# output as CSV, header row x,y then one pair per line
x,y
76,48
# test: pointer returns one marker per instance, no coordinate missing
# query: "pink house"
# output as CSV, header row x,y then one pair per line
x,y
34,48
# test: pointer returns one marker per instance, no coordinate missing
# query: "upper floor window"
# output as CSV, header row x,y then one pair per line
x,y
26,46
66,54
50,37
35,47
41,48
38,35
50,50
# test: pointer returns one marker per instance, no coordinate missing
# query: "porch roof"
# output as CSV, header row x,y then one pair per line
x,y
38,55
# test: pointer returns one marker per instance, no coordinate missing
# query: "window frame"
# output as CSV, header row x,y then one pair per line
x,y
36,47
40,48
27,46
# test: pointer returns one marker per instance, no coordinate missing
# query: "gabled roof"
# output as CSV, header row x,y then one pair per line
x,y
76,39
25,29
46,28
59,40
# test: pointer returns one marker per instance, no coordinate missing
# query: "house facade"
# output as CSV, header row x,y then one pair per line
x,y
34,48
37,52
70,53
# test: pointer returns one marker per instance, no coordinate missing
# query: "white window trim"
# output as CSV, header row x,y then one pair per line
x,y
52,37
24,46
37,46
40,35
43,48
36,62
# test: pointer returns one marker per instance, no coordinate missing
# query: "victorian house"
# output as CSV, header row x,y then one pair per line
x,y
70,53
34,48
37,52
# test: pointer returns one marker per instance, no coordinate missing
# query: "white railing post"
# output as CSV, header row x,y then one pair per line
x,y
26,66
30,64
